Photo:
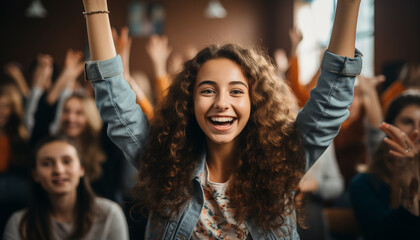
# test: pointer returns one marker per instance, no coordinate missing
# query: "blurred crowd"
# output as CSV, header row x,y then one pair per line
x,y
356,181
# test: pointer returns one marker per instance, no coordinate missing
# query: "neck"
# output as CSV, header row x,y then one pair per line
x,y
62,207
220,160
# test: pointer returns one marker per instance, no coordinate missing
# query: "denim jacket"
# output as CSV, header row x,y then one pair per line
x,y
318,121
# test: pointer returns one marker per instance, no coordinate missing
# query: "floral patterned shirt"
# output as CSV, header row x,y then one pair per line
x,y
216,220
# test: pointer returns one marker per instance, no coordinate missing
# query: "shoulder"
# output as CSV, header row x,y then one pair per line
x,y
17,216
107,208
11,230
110,220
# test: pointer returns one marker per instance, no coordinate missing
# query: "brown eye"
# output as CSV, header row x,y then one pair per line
x,y
45,163
207,91
237,91
67,160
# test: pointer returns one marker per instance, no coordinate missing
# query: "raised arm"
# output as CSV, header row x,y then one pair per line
x,y
12,69
73,67
159,51
123,47
99,30
343,35
320,119
128,126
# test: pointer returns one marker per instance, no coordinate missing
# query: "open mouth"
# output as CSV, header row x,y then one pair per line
x,y
59,181
221,121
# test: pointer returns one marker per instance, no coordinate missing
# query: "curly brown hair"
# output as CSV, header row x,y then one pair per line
x,y
264,182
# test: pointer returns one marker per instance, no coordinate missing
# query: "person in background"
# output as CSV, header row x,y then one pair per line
x,y
385,198
62,204
46,100
13,154
409,78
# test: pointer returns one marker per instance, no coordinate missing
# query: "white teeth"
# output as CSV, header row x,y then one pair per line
x,y
222,119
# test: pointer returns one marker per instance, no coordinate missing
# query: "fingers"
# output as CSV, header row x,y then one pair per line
x,y
73,58
122,41
401,144
11,69
295,35
158,48
379,79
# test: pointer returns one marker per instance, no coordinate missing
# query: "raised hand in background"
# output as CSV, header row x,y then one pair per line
x,y
14,71
159,52
42,76
73,67
122,43
405,167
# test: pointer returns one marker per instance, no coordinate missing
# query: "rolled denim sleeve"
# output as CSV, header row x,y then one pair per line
x,y
128,126
320,119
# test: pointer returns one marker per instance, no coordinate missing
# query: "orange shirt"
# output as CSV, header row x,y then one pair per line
x,y
161,86
4,153
146,107
301,93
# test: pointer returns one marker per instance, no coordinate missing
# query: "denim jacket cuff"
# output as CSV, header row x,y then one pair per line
x,y
99,70
342,65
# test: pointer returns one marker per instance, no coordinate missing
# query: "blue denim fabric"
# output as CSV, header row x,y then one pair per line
x,y
319,122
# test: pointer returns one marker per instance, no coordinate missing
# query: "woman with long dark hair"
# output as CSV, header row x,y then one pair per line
x,y
63,205
385,199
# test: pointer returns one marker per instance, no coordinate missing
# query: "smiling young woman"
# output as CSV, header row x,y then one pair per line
x,y
62,204
224,153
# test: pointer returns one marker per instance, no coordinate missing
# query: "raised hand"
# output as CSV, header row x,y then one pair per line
x,y
43,72
368,84
73,63
370,99
402,146
159,51
12,70
73,67
296,37
123,47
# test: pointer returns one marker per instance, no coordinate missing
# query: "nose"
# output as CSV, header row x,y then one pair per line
x,y
222,102
58,168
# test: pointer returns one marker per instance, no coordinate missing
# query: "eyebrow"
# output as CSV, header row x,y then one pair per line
x,y
214,83
46,159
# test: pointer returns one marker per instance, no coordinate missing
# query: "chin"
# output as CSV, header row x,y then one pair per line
x,y
221,140
72,134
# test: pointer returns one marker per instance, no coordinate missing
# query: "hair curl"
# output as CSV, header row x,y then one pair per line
x,y
264,182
